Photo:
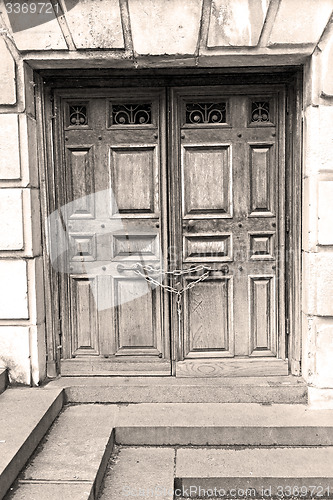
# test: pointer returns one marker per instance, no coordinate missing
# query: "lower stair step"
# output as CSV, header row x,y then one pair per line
x,y
71,461
297,472
26,414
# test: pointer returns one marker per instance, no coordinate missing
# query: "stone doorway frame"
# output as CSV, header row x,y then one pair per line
x,y
292,77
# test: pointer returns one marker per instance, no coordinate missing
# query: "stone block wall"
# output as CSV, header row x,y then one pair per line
x,y
22,316
318,223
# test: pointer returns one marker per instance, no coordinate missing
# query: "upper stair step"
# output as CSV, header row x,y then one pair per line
x,y
283,390
223,424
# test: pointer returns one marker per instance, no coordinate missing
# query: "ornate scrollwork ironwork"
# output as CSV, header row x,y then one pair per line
x,y
260,112
78,115
131,114
206,112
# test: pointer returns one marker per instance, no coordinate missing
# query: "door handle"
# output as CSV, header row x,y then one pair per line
x,y
149,268
225,269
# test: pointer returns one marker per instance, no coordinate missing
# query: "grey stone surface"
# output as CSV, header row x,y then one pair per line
x,y
179,390
11,219
222,415
7,82
9,147
14,295
165,27
52,491
264,462
25,416
141,473
300,21
327,76
75,447
15,352
95,24
223,424
235,24
44,35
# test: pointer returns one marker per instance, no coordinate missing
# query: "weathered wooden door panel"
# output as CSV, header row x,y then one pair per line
x,y
208,319
223,212
113,166
228,177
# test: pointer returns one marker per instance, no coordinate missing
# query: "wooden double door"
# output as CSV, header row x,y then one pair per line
x,y
163,190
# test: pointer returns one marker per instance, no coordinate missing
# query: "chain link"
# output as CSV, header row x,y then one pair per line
x,y
138,268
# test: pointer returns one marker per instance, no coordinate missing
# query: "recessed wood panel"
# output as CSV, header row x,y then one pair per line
x,y
208,248
261,180
136,245
206,180
84,314
134,179
262,246
262,315
208,318
136,310
80,167
83,247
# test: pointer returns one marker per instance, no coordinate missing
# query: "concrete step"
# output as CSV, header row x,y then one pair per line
x,y
269,472
281,390
71,461
3,379
223,424
25,416
140,473
168,473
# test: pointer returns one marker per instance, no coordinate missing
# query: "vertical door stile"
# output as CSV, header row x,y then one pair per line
x,y
282,314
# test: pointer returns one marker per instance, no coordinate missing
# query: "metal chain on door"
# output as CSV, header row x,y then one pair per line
x,y
142,271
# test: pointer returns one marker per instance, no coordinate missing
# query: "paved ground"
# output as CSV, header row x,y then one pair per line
x,y
166,447
231,473
139,472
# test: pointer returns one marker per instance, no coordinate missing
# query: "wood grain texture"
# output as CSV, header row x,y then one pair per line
x,y
206,179
232,368
125,367
208,319
262,315
84,317
135,316
132,173
80,167
261,180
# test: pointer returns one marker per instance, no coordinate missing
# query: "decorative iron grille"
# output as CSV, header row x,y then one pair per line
x,y
78,115
260,112
206,112
131,114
